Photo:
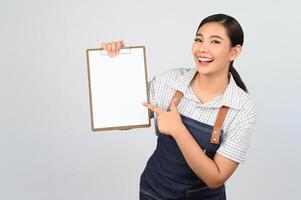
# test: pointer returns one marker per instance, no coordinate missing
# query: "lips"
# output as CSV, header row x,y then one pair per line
x,y
205,59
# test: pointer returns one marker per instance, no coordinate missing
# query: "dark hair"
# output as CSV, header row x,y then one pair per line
x,y
236,36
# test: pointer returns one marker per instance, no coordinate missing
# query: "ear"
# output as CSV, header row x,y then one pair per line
x,y
235,51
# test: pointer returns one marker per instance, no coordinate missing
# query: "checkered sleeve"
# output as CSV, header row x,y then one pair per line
x,y
236,140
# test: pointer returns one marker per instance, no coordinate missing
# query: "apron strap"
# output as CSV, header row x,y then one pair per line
x,y
178,96
216,132
217,129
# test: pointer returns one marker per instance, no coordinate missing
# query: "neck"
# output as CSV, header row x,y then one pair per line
x,y
214,85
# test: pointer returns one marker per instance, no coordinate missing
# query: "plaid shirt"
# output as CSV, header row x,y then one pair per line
x,y
240,120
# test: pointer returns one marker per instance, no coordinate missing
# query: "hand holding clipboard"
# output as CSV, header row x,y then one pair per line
x,y
113,48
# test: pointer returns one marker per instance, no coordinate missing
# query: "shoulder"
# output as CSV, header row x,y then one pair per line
x,y
248,107
163,90
171,74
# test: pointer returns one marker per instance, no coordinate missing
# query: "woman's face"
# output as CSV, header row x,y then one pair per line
x,y
212,49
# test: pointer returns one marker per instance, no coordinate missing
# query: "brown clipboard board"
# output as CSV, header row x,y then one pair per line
x,y
117,87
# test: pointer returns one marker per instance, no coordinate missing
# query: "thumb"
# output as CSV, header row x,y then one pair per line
x,y
173,105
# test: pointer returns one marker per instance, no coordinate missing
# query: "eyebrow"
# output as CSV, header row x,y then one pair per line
x,y
211,36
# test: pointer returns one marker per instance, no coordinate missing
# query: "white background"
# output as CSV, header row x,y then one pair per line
x,y
47,149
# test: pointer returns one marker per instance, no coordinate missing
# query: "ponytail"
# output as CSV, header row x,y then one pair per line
x,y
237,78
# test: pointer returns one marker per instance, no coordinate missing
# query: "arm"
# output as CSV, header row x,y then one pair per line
x,y
213,172
231,152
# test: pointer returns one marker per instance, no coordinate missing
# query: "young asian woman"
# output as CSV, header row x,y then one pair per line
x,y
204,117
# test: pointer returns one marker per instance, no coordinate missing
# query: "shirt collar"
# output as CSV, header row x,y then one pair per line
x,y
182,83
230,97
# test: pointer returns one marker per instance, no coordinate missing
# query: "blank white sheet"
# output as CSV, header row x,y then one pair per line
x,y
117,86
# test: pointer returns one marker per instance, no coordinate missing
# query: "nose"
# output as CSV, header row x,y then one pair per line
x,y
202,48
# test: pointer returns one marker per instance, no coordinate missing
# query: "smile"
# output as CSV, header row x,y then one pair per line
x,y
205,59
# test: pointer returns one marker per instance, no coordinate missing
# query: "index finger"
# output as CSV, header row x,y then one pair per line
x,y
120,44
152,108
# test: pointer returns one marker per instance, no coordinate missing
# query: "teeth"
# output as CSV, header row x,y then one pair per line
x,y
205,59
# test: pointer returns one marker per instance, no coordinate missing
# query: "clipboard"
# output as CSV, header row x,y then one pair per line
x,y
117,88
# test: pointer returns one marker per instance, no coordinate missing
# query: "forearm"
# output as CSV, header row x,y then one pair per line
x,y
204,167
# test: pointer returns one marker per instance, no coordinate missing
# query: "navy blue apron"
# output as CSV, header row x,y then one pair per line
x,y
167,174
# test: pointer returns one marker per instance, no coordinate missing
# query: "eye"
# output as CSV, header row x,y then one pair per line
x,y
197,40
215,42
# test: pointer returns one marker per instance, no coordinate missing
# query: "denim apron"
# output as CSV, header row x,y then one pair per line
x,y
167,174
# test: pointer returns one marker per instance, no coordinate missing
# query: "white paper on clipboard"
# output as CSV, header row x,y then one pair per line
x,y
117,87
